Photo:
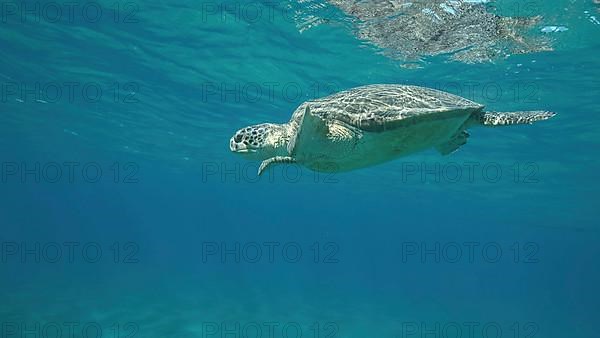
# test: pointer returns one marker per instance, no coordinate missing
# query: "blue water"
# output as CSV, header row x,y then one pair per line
x,y
124,214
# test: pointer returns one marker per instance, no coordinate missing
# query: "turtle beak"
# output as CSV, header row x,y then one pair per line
x,y
239,147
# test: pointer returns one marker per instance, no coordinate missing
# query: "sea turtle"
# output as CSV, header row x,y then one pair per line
x,y
369,125
466,31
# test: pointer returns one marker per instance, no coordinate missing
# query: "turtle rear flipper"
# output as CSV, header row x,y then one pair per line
x,y
493,119
453,144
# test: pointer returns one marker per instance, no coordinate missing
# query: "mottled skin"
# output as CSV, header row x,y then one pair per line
x,y
369,125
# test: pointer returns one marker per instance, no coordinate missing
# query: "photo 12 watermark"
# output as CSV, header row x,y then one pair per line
x,y
69,12
68,329
271,252
490,91
260,12
473,252
68,252
247,172
469,172
270,329
266,92
70,172
522,8
468,329
69,92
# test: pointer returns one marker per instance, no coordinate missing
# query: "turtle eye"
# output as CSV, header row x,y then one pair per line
x,y
238,138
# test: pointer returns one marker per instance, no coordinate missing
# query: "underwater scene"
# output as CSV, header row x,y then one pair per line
x,y
306,168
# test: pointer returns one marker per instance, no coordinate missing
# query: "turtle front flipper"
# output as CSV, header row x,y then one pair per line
x,y
310,129
274,160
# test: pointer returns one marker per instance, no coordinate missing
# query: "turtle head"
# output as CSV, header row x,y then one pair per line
x,y
261,141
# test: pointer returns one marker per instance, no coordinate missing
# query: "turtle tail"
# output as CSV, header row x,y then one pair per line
x,y
494,119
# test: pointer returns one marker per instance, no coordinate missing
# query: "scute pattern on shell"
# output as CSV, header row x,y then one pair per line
x,y
376,107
